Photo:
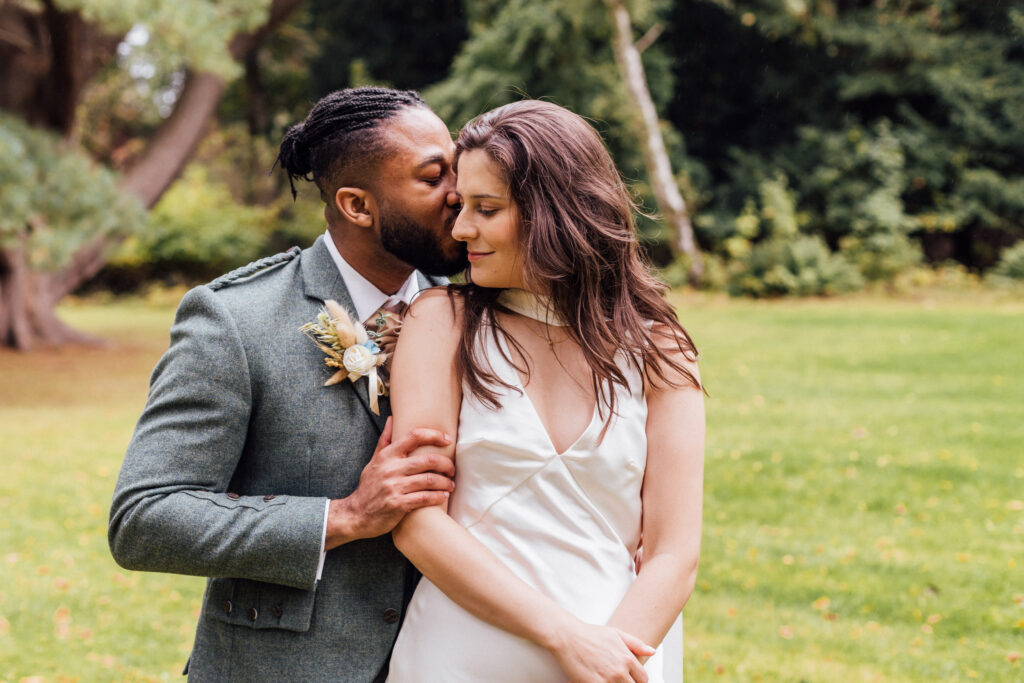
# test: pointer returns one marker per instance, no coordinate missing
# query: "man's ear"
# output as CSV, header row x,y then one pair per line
x,y
355,205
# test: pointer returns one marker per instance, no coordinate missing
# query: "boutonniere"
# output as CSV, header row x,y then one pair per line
x,y
348,348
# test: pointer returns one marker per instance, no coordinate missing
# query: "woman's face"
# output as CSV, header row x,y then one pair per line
x,y
488,223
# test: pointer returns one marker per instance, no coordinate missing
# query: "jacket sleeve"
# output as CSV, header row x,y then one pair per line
x,y
172,511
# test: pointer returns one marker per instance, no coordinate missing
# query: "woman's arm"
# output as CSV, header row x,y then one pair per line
x,y
672,492
426,393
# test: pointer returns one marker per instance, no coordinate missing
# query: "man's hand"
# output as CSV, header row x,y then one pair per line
x,y
392,484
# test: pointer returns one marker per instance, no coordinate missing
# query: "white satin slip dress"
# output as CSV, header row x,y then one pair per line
x,y
566,523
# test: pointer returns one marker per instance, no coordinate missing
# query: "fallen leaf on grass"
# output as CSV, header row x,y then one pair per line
x,y
821,603
1013,657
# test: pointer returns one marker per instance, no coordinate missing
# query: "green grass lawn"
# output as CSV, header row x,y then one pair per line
x,y
863,517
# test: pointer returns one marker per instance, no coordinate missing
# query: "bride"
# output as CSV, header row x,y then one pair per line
x,y
578,410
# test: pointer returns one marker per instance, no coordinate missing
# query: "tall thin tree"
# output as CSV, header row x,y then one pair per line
x,y
659,168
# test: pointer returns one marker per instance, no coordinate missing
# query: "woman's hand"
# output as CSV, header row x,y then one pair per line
x,y
589,653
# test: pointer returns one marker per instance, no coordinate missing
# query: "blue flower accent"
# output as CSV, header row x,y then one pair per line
x,y
372,346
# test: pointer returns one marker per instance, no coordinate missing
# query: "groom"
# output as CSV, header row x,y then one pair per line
x,y
244,468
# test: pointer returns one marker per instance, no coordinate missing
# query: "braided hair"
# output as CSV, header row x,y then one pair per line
x,y
340,133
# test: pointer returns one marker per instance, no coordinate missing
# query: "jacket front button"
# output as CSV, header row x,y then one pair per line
x,y
390,615
227,607
232,495
253,613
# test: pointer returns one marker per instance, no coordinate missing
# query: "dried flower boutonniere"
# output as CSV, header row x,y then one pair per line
x,y
349,348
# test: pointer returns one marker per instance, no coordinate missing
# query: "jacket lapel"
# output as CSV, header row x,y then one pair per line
x,y
321,281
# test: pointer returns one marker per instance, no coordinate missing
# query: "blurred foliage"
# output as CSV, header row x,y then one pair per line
x,y
900,123
1011,265
819,145
769,256
794,266
54,199
193,32
396,43
200,229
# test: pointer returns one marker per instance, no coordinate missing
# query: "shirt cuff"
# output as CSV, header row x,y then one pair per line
x,y
323,541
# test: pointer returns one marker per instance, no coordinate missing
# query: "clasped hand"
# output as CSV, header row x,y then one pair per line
x,y
590,653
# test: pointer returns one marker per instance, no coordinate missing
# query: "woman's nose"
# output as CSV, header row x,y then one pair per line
x,y
462,231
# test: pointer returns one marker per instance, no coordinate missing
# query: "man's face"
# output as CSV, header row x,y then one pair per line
x,y
417,205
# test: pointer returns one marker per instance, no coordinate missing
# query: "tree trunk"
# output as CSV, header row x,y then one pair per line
x,y
27,302
172,145
659,169
51,50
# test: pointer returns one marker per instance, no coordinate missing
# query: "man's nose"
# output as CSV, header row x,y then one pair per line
x,y
452,199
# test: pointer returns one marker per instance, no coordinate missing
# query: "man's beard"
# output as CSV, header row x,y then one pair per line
x,y
416,245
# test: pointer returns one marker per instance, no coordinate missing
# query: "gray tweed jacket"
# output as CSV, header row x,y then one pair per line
x,y
227,475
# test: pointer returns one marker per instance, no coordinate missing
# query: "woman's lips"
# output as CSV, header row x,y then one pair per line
x,y
477,255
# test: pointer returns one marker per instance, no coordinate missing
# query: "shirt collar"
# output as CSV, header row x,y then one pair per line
x,y
366,298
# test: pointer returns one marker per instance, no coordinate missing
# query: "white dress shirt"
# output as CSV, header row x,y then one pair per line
x,y
367,300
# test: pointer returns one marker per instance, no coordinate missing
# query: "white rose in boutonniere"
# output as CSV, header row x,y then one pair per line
x,y
360,359
348,348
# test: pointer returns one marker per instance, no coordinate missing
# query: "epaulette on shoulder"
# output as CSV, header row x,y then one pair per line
x,y
253,268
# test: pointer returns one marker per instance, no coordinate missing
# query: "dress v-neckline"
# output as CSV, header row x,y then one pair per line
x,y
536,413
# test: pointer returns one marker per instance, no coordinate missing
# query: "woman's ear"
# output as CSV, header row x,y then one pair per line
x,y
355,205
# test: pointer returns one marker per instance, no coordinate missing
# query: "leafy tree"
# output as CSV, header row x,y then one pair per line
x,y
894,119
394,42
49,52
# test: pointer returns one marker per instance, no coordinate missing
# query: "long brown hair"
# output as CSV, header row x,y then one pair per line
x,y
579,247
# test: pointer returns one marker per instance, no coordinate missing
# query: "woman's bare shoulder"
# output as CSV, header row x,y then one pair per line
x,y
679,364
435,308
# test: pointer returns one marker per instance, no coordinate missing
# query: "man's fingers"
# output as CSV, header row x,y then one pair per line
x,y
421,437
385,435
430,462
421,499
428,482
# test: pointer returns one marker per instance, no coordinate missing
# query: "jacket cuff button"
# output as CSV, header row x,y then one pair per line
x,y
390,615
277,610
253,614
227,607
